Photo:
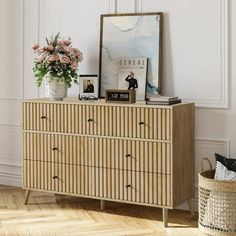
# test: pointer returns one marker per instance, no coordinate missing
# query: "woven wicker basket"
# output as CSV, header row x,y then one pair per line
x,y
217,204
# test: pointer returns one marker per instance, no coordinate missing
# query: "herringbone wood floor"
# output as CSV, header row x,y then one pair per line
x,y
50,215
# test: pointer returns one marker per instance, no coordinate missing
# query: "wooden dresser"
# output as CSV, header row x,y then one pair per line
x,y
130,153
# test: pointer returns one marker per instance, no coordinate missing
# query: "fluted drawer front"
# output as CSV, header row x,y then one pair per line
x,y
53,148
99,152
125,121
53,117
131,155
131,186
50,176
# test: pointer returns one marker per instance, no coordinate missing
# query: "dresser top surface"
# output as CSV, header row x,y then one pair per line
x,y
73,100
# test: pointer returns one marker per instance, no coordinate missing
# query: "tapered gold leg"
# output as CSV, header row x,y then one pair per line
x,y
165,217
190,205
102,204
27,193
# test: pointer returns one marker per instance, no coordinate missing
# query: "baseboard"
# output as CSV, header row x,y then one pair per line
x,y
10,173
10,180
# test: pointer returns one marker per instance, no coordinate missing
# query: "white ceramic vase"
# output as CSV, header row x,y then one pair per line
x,y
55,88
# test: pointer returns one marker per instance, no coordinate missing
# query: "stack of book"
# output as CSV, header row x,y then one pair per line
x,y
162,100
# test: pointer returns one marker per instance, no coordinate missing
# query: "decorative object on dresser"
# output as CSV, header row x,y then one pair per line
x,y
162,100
121,96
129,153
132,35
132,75
56,63
88,87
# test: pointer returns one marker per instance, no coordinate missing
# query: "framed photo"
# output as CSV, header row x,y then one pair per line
x,y
88,86
131,35
132,74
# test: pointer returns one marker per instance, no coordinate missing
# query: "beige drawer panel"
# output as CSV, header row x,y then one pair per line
x,y
140,187
63,118
50,176
99,152
133,122
138,122
65,149
52,117
128,155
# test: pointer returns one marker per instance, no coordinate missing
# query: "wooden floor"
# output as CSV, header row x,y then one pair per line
x,y
47,214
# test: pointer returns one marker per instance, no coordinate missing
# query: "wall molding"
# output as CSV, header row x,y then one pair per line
x,y
41,28
10,126
208,143
112,6
10,99
138,6
10,173
223,99
21,43
216,141
11,179
4,162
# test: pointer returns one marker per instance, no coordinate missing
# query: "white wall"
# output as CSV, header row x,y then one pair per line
x,y
11,89
197,63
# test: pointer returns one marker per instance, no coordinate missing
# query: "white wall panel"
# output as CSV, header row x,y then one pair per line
x,y
195,52
205,148
31,35
10,173
208,148
11,48
10,144
79,20
124,6
10,114
11,89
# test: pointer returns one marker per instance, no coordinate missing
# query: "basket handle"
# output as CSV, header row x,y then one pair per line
x,y
208,161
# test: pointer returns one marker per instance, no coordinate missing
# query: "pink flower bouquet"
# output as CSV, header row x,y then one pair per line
x,y
58,60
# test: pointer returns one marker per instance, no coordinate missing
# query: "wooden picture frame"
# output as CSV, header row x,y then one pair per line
x,y
130,35
88,86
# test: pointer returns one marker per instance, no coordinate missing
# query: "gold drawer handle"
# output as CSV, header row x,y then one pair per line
x,y
43,117
141,123
55,177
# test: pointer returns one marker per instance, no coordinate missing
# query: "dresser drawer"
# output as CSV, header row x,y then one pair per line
x,y
50,176
126,121
65,149
131,186
153,157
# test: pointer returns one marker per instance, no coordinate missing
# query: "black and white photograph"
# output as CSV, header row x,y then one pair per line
x,y
132,74
88,86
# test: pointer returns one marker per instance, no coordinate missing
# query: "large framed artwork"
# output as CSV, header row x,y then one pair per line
x,y
131,36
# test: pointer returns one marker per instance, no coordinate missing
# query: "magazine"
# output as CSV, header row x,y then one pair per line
x,y
162,98
163,102
132,74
